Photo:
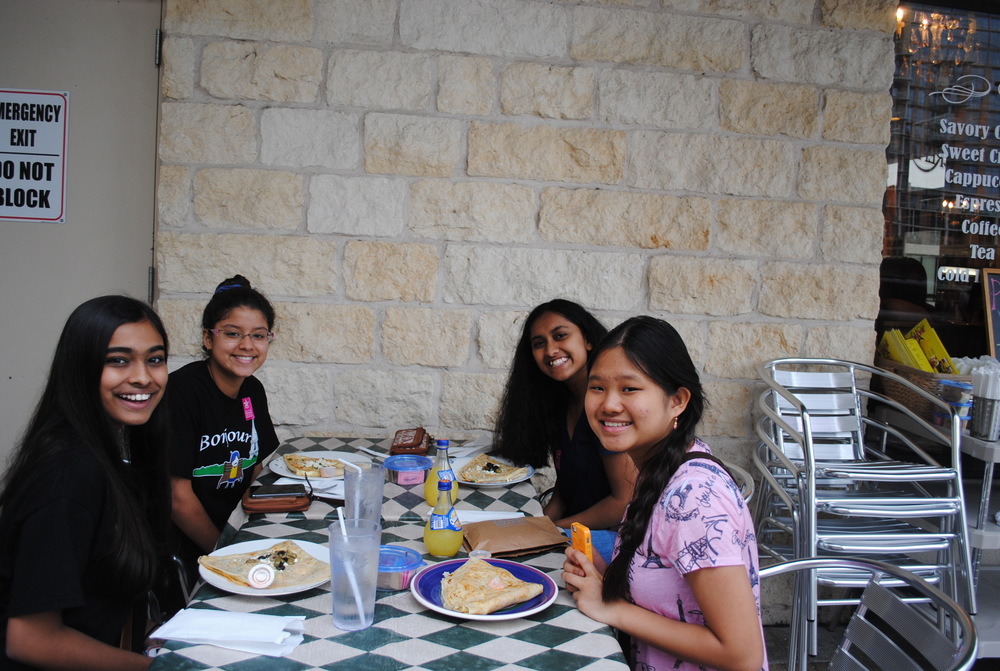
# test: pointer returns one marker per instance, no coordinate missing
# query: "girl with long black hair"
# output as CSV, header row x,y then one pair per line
x,y
682,583
86,495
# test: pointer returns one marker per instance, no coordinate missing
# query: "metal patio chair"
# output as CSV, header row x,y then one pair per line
x,y
890,630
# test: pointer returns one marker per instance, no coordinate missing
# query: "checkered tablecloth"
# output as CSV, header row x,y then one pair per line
x,y
405,634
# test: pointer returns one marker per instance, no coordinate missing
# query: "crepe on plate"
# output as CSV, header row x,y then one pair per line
x,y
314,467
485,468
292,565
478,587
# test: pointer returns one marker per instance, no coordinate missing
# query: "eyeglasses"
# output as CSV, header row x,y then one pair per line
x,y
235,337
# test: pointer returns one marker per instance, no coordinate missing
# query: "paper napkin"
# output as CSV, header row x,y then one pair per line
x,y
269,635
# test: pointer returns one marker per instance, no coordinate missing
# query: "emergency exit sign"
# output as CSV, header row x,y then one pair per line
x,y
33,128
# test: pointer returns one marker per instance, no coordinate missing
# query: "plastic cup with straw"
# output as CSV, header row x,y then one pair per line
x,y
343,559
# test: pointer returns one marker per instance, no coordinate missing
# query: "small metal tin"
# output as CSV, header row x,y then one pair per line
x,y
396,566
407,469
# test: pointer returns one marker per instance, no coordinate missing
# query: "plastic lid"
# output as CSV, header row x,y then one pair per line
x,y
444,485
396,558
441,443
408,462
956,383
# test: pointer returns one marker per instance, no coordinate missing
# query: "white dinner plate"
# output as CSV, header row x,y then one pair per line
x,y
316,550
426,588
279,467
461,462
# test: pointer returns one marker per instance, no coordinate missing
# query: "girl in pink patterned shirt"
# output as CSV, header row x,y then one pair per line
x,y
683,582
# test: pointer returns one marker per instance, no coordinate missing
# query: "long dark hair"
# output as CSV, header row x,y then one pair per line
x,y
71,416
533,407
235,292
656,349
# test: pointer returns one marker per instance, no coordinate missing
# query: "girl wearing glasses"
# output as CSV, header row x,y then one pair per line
x,y
682,583
221,427
83,494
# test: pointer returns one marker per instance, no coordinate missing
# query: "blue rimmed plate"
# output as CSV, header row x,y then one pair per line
x,y
426,588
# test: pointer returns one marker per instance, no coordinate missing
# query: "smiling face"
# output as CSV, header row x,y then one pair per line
x,y
627,410
559,348
230,361
134,373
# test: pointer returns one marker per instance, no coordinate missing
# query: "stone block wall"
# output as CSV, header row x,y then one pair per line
x,y
405,179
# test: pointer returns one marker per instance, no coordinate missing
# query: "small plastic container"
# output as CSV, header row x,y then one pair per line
x,y
407,469
956,392
396,566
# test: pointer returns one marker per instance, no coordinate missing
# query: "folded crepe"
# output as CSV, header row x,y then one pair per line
x,y
479,588
292,565
486,468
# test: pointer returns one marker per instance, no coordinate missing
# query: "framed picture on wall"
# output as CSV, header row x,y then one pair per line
x,y
991,295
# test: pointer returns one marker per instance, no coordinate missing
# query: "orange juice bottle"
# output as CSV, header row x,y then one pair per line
x,y
441,470
443,532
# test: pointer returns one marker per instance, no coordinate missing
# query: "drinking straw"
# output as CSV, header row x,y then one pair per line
x,y
347,567
351,465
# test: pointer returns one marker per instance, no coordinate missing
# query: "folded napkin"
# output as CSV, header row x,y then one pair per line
x,y
269,635
470,516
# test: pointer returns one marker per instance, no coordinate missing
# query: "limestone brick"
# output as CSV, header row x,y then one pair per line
x,y
822,57
547,91
356,205
384,398
852,343
256,71
766,229
624,219
182,319
843,174
738,349
701,44
283,265
201,133
297,395
322,333
427,337
711,164
857,117
761,108
256,199
728,412
275,20
852,234
472,211
380,80
173,195
465,85
786,11
546,153
658,99
179,55
388,271
409,145
505,276
370,22
499,331
302,138
470,400
810,291
701,286
860,14
515,28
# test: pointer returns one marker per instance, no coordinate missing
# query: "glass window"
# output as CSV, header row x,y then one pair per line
x,y
942,204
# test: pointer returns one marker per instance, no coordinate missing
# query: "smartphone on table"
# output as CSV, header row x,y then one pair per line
x,y
277,491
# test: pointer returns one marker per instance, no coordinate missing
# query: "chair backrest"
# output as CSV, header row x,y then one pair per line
x,y
888,633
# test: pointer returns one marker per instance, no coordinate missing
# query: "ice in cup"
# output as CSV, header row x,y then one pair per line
x,y
354,551
363,487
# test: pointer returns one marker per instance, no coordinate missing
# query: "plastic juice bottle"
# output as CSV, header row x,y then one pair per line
x,y
443,532
441,470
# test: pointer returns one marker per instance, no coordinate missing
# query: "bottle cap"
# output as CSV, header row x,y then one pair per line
x,y
261,576
444,485
441,443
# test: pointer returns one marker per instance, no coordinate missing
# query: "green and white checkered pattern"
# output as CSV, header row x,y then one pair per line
x,y
405,634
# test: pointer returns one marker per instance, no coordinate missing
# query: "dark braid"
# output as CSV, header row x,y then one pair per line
x,y
656,348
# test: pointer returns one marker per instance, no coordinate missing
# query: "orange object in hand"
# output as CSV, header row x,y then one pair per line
x,y
581,540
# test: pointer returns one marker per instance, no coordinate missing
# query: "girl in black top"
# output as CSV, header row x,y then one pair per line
x,y
86,495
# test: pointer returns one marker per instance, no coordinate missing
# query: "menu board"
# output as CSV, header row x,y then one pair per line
x,y
991,294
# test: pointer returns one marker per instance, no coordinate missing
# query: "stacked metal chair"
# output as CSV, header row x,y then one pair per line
x,y
847,471
888,632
